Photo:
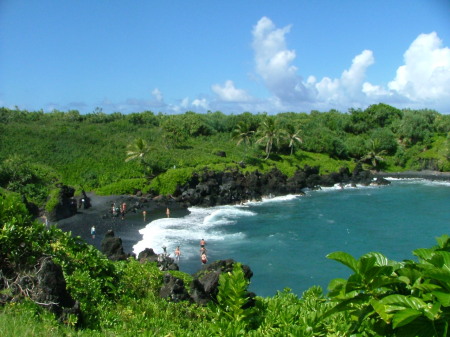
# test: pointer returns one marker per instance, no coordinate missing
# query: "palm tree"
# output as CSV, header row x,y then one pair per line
x,y
374,154
270,133
138,151
243,134
293,136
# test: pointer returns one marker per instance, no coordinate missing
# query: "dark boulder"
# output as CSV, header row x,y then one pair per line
x,y
51,291
204,287
173,289
112,247
163,261
66,206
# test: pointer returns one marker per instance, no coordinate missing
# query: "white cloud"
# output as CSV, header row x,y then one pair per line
x,y
422,82
200,103
274,62
426,72
229,93
157,94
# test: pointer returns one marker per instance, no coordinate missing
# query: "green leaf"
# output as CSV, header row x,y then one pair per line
x,y
442,297
344,258
365,264
443,241
404,317
405,301
424,253
380,259
381,310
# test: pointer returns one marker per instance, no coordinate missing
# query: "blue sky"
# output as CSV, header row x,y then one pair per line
x,y
233,56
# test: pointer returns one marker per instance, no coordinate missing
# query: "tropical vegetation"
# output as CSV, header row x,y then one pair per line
x,y
120,154
381,297
117,153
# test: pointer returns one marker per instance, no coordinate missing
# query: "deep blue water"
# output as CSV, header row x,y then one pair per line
x,y
285,240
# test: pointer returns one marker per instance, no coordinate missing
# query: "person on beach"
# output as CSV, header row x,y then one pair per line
x,y
123,209
114,209
168,212
93,232
204,258
177,254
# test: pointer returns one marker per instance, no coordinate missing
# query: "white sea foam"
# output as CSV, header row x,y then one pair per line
x,y
269,199
421,180
187,231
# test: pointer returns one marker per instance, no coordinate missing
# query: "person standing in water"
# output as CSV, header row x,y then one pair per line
x,y
177,254
144,213
204,258
168,212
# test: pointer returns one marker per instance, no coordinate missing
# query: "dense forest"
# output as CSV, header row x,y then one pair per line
x,y
116,153
119,154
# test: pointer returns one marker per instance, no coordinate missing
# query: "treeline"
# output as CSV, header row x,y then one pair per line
x,y
121,153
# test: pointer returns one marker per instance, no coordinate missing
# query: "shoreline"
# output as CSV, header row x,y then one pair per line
x,y
425,174
99,214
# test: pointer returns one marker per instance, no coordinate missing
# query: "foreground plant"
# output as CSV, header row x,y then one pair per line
x,y
396,298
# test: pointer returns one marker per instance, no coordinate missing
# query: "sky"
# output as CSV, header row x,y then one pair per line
x,y
231,56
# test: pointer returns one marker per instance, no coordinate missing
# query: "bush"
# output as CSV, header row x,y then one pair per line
x,y
167,182
125,186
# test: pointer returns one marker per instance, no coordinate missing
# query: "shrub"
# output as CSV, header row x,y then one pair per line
x,y
167,182
125,186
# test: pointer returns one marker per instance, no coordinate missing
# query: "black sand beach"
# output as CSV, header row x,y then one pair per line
x,y
100,216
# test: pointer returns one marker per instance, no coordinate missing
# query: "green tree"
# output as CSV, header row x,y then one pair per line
x,y
138,150
270,133
243,134
293,136
373,157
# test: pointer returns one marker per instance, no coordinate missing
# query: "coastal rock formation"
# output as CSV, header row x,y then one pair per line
x,y
112,247
210,188
163,261
44,284
204,287
174,289
66,206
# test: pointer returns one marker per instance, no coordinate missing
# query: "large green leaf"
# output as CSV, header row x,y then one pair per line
x,y
405,301
404,317
380,259
424,254
365,264
344,258
381,310
443,241
443,297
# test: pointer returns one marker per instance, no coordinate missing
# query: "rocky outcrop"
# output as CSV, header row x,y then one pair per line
x,y
66,205
163,261
46,287
174,289
204,287
210,188
112,247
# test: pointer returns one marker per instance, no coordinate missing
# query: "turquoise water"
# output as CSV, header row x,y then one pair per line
x,y
285,240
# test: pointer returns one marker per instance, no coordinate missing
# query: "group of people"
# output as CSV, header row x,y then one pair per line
x,y
203,256
119,210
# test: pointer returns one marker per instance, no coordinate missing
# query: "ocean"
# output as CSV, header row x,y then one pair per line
x,y
285,240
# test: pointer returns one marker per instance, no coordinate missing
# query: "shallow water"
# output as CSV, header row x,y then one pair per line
x,y
285,240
